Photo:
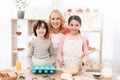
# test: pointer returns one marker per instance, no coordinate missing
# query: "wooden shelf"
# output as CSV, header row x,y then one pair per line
x,y
90,31
20,41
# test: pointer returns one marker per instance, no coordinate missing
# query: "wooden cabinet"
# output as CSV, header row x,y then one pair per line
x,y
21,33
92,29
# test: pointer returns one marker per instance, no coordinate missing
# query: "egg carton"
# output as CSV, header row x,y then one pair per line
x,y
43,69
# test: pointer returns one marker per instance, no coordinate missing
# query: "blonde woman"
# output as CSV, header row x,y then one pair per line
x,y
57,28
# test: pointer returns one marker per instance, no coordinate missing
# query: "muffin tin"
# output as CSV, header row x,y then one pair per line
x,y
43,69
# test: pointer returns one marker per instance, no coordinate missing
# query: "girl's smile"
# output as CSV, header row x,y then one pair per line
x,y
41,31
74,27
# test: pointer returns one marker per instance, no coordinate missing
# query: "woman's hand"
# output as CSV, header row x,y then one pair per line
x,y
29,44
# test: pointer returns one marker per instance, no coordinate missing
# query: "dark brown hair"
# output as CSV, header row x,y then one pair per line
x,y
38,24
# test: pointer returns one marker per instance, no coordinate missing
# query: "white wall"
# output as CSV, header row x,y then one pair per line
x,y
42,8
5,40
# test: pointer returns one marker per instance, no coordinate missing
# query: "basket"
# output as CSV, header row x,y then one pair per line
x,y
8,74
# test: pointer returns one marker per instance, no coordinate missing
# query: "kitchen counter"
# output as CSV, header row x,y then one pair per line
x,y
56,76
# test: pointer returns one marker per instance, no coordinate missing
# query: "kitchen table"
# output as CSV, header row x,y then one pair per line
x,y
56,76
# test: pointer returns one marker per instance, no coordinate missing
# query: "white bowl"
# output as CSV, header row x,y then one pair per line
x,y
96,75
70,70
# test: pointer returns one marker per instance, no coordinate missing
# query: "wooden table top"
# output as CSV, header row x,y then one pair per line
x,y
56,76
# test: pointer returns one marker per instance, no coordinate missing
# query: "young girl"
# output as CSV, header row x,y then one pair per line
x,y
73,48
40,48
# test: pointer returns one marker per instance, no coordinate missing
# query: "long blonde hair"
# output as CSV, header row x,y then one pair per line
x,y
62,26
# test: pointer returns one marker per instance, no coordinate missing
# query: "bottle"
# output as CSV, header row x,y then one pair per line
x,y
107,69
18,65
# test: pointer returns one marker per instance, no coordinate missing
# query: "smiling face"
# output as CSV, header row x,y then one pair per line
x,y
40,28
41,31
74,27
55,20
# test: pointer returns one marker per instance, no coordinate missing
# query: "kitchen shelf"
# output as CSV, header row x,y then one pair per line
x,y
20,41
92,29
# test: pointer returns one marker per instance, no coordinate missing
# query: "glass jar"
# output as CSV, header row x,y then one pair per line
x,y
107,69
18,65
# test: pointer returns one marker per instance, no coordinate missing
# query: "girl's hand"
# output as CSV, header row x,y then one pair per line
x,y
61,63
54,64
29,67
80,67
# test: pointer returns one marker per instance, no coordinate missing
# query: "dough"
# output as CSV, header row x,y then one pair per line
x,y
70,70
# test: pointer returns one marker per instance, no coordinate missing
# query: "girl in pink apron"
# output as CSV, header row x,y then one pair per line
x,y
73,49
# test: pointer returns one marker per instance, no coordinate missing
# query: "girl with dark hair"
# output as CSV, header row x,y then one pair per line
x,y
73,50
41,48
